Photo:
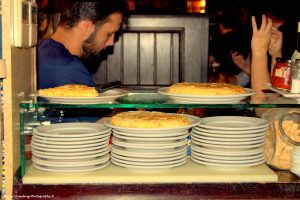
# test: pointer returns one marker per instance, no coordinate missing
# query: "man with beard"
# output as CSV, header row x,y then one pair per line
x,y
85,28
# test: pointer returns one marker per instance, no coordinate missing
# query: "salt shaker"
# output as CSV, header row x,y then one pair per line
x,y
295,86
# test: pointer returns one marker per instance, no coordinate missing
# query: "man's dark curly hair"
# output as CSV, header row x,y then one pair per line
x,y
96,11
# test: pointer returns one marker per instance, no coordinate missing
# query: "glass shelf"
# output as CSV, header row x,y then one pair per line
x,y
145,99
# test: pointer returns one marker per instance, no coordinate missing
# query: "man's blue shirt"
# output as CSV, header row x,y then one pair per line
x,y
56,66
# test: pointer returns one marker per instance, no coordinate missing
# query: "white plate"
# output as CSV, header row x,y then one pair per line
x,y
171,162
72,161
230,134
149,145
46,141
76,130
233,123
149,153
63,163
106,97
226,165
78,146
150,139
69,153
71,169
228,152
193,119
284,93
68,150
206,99
227,139
147,160
69,139
226,158
95,155
123,163
241,133
228,146
223,161
152,135
64,134
228,143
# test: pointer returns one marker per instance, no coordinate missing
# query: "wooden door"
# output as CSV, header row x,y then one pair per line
x,y
157,51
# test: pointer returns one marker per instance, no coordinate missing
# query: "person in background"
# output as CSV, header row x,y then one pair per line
x,y
265,39
286,21
229,51
85,28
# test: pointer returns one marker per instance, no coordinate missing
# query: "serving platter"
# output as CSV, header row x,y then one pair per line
x,y
206,99
106,97
283,92
193,119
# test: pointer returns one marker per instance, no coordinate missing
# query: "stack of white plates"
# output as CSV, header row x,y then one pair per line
x,y
229,141
296,161
71,147
150,148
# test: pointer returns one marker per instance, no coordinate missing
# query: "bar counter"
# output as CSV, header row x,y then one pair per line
x,y
287,187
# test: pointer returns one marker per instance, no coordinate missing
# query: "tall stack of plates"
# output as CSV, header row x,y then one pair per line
x,y
229,141
71,147
150,148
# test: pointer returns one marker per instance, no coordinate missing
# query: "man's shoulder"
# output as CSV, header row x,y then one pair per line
x,y
50,51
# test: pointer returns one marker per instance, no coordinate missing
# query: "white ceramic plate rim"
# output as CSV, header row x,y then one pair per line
x,y
146,165
231,132
226,139
222,134
68,139
193,119
226,152
261,141
214,123
106,97
226,165
58,130
214,160
46,141
71,162
78,153
152,135
226,157
149,153
71,169
148,160
149,139
206,98
79,146
71,157
61,163
228,146
125,144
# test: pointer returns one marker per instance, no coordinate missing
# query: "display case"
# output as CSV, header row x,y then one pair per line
x,y
189,180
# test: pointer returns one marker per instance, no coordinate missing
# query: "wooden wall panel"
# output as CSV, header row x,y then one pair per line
x,y
164,56
147,66
159,51
131,55
19,84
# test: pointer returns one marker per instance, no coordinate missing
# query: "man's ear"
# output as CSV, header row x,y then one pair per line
x,y
86,28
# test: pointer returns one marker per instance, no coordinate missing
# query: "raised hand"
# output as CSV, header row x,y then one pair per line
x,y
261,37
240,61
275,45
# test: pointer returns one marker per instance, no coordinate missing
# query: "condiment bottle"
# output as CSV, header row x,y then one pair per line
x,y
295,69
296,54
281,77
